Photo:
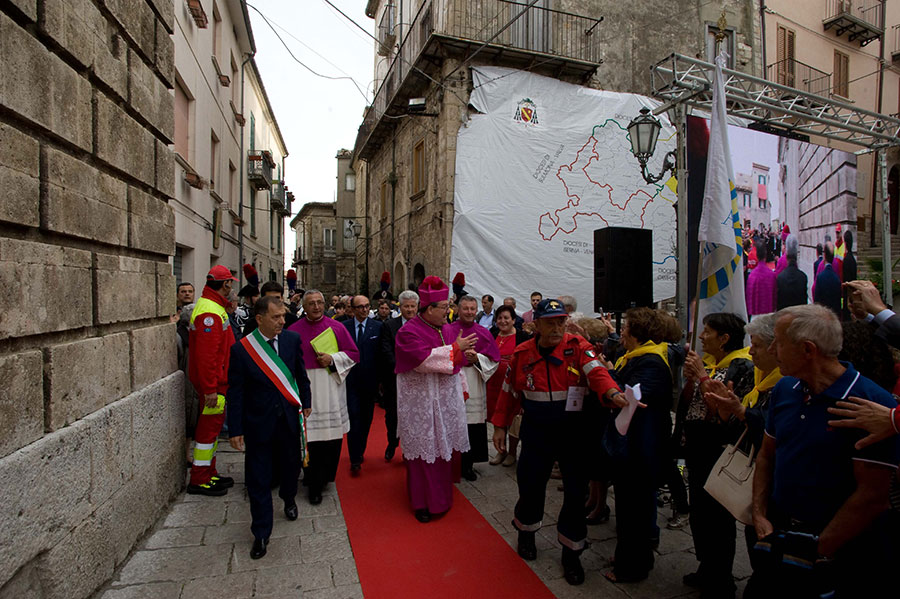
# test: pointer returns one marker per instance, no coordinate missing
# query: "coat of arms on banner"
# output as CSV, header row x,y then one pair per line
x,y
526,112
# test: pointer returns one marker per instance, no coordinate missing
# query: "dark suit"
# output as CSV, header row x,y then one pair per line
x,y
362,384
890,331
270,426
791,287
388,378
828,290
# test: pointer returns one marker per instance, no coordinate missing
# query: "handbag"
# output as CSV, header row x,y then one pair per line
x,y
731,481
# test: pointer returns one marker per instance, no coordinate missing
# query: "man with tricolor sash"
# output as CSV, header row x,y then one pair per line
x,y
210,339
268,403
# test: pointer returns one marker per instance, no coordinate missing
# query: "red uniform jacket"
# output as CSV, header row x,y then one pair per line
x,y
576,366
209,345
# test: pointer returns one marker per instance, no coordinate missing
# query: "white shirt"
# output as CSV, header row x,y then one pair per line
x,y
269,338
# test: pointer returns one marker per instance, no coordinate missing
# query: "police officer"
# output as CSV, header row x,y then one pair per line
x,y
549,377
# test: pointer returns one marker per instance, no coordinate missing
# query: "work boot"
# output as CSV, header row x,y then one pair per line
x,y
526,547
572,569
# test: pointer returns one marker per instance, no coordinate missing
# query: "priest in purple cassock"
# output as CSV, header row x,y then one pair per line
x,y
327,370
481,363
431,413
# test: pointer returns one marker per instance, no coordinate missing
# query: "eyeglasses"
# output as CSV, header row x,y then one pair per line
x,y
366,306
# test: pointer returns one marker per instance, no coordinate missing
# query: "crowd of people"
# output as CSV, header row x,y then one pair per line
x,y
805,389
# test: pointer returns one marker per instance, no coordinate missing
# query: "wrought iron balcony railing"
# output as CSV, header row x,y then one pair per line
x,y
861,20
798,75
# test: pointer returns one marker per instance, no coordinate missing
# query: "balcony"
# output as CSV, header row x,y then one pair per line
x,y
860,20
386,34
545,41
277,195
798,75
259,169
288,201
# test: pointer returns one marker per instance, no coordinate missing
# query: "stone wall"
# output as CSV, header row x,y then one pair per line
x,y
91,419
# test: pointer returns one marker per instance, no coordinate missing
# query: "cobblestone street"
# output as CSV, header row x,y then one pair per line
x,y
200,548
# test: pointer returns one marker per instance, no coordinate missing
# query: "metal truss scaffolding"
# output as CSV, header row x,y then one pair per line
x,y
682,82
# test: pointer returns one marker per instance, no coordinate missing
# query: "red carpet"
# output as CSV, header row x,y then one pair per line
x,y
456,555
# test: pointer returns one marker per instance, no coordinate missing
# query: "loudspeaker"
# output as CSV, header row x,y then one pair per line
x,y
623,269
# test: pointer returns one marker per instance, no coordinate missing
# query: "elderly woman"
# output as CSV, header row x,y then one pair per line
x,y
638,458
725,360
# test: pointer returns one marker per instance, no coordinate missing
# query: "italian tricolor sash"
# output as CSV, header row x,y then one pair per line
x,y
277,371
272,365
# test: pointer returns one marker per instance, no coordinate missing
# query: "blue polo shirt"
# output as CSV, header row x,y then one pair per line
x,y
813,462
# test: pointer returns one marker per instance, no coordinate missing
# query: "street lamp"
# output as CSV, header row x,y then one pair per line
x,y
644,133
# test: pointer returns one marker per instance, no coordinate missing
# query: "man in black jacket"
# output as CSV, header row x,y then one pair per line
x,y
791,282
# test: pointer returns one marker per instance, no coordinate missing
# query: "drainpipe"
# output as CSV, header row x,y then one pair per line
x,y
879,94
243,161
762,25
392,179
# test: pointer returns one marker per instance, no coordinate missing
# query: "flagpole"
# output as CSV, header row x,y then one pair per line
x,y
722,25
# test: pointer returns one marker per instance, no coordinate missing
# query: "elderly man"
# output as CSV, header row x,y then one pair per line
x,y
430,406
362,382
409,306
818,499
328,355
481,363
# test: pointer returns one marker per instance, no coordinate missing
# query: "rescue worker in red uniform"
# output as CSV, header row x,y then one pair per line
x,y
548,378
210,344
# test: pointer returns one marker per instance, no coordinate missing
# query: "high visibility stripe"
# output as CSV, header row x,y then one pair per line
x,y
207,306
268,361
587,368
527,527
545,396
574,545
218,409
204,453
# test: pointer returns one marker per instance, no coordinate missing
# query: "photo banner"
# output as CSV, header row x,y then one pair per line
x,y
540,165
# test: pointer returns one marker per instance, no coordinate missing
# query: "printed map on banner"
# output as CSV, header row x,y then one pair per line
x,y
539,167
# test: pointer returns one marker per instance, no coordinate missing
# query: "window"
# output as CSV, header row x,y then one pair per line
x,y
232,185
235,94
763,204
727,44
213,158
217,31
841,74
271,229
747,200
182,120
384,197
279,228
784,69
762,179
329,238
418,172
252,212
252,132
350,182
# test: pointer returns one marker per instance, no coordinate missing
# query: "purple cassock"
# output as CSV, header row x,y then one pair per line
x,y
431,412
761,290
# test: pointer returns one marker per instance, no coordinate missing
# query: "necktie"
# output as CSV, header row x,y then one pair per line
x,y
359,333
271,342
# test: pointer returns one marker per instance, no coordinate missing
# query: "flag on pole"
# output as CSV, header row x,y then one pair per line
x,y
721,274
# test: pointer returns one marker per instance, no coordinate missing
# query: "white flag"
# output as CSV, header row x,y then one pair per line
x,y
721,272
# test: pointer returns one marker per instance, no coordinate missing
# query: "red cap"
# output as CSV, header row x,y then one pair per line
x,y
459,279
433,290
220,273
837,227
386,277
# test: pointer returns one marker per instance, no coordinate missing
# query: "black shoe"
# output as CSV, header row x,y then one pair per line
x,y
389,453
290,511
315,497
225,482
259,548
209,489
355,469
423,516
600,518
526,547
572,569
470,475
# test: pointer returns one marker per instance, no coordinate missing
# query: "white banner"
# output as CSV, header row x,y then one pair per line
x,y
539,167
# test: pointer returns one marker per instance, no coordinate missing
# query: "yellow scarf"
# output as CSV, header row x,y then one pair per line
x,y
710,362
761,384
658,349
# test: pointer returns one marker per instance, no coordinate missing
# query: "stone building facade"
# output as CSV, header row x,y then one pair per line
x,y
315,254
230,197
405,159
91,413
